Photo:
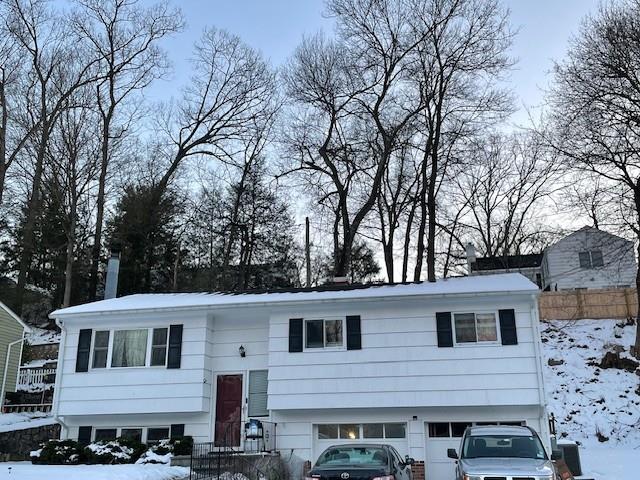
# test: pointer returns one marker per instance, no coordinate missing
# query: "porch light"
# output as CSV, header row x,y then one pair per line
x,y
242,351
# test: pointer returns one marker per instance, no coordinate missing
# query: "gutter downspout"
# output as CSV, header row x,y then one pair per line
x,y
64,431
544,420
6,369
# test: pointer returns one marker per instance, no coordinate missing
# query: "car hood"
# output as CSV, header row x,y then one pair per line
x,y
506,466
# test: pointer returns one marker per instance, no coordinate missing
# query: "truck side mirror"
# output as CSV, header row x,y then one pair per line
x,y
408,460
451,453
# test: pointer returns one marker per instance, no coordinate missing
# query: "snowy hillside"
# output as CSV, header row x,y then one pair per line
x,y
595,407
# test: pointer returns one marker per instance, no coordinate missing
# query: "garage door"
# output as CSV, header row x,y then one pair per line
x,y
442,436
391,433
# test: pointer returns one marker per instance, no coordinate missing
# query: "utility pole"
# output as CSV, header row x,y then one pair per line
x,y
307,248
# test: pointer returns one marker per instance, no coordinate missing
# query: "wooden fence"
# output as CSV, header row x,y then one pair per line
x,y
597,303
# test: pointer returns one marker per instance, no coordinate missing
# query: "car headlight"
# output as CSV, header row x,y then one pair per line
x,y
471,477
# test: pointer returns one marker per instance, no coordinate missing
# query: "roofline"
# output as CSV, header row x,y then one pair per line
x,y
531,292
13,315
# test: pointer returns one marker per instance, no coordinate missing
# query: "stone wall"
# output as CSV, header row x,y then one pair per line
x,y
17,444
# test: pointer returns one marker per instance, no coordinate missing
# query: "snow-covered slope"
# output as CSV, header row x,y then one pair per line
x,y
592,406
587,399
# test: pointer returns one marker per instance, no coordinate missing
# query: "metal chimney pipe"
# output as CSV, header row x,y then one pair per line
x,y
113,268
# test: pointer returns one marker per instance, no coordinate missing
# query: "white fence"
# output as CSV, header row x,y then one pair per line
x,y
35,379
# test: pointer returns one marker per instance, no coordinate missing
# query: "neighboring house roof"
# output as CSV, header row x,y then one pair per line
x,y
587,228
509,261
506,283
15,317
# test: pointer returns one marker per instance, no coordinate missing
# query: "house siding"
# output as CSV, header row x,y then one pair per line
x,y
561,264
10,331
400,364
137,390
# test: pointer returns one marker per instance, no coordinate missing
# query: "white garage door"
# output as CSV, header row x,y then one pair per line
x,y
391,433
442,436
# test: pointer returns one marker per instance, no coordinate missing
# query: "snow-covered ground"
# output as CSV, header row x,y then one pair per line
x,y
27,471
21,421
41,336
597,408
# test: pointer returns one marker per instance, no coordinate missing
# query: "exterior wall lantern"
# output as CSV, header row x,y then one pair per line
x,y
242,351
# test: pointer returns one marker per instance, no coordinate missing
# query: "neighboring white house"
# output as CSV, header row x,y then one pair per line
x,y
589,258
411,365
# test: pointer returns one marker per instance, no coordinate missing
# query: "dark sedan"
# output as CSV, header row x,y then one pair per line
x,y
361,462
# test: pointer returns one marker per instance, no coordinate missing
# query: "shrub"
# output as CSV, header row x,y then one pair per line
x,y
182,445
59,452
120,450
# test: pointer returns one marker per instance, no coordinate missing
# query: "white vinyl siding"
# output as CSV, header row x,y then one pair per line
x,y
589,259
400,363
258,383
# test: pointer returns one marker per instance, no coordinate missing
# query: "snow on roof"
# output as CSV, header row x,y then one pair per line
x,y
502,283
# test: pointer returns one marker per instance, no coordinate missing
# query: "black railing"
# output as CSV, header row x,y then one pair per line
x,y
222,458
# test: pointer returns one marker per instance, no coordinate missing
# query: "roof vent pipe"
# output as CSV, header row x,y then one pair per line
x,y
113,268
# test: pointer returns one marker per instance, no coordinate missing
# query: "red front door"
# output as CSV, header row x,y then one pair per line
x,y
228,408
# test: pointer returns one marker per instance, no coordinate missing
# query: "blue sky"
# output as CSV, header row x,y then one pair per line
x,y
276,26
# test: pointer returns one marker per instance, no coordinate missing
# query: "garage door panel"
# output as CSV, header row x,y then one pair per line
x,y
390,429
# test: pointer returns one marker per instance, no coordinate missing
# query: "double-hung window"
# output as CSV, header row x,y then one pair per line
x,y
129,348
323,333
591,259
475,327
100,349
141,347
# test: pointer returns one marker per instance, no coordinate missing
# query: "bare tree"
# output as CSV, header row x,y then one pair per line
x,y
504,185
124,35
353,105
13,89
595,122
463,55
72,168
232,89
58,66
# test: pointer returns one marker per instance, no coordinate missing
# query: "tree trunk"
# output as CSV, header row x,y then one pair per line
x,y
33,208
407,242
68,273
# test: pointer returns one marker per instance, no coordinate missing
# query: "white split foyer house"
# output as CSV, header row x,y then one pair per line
x,y
408,364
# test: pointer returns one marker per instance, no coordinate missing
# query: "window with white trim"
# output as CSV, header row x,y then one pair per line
x,y
320,333
456,429
258,386
100,349
142,347
475,327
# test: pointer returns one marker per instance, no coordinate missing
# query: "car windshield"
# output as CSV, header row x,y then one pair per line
x,y
356,456
504,446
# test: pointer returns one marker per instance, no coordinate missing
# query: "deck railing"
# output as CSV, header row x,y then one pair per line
x,y
35,379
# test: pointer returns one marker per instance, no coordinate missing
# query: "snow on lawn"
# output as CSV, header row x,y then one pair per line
x,y
27,471
42,336
21,421
587,400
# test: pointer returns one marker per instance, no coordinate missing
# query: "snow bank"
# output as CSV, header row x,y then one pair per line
x,y
27,471
21,421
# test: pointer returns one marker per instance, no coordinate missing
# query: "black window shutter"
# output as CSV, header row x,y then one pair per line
x,y
445,332
354,335
84,435
84,350
175,346
295,334
177,430
508,327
